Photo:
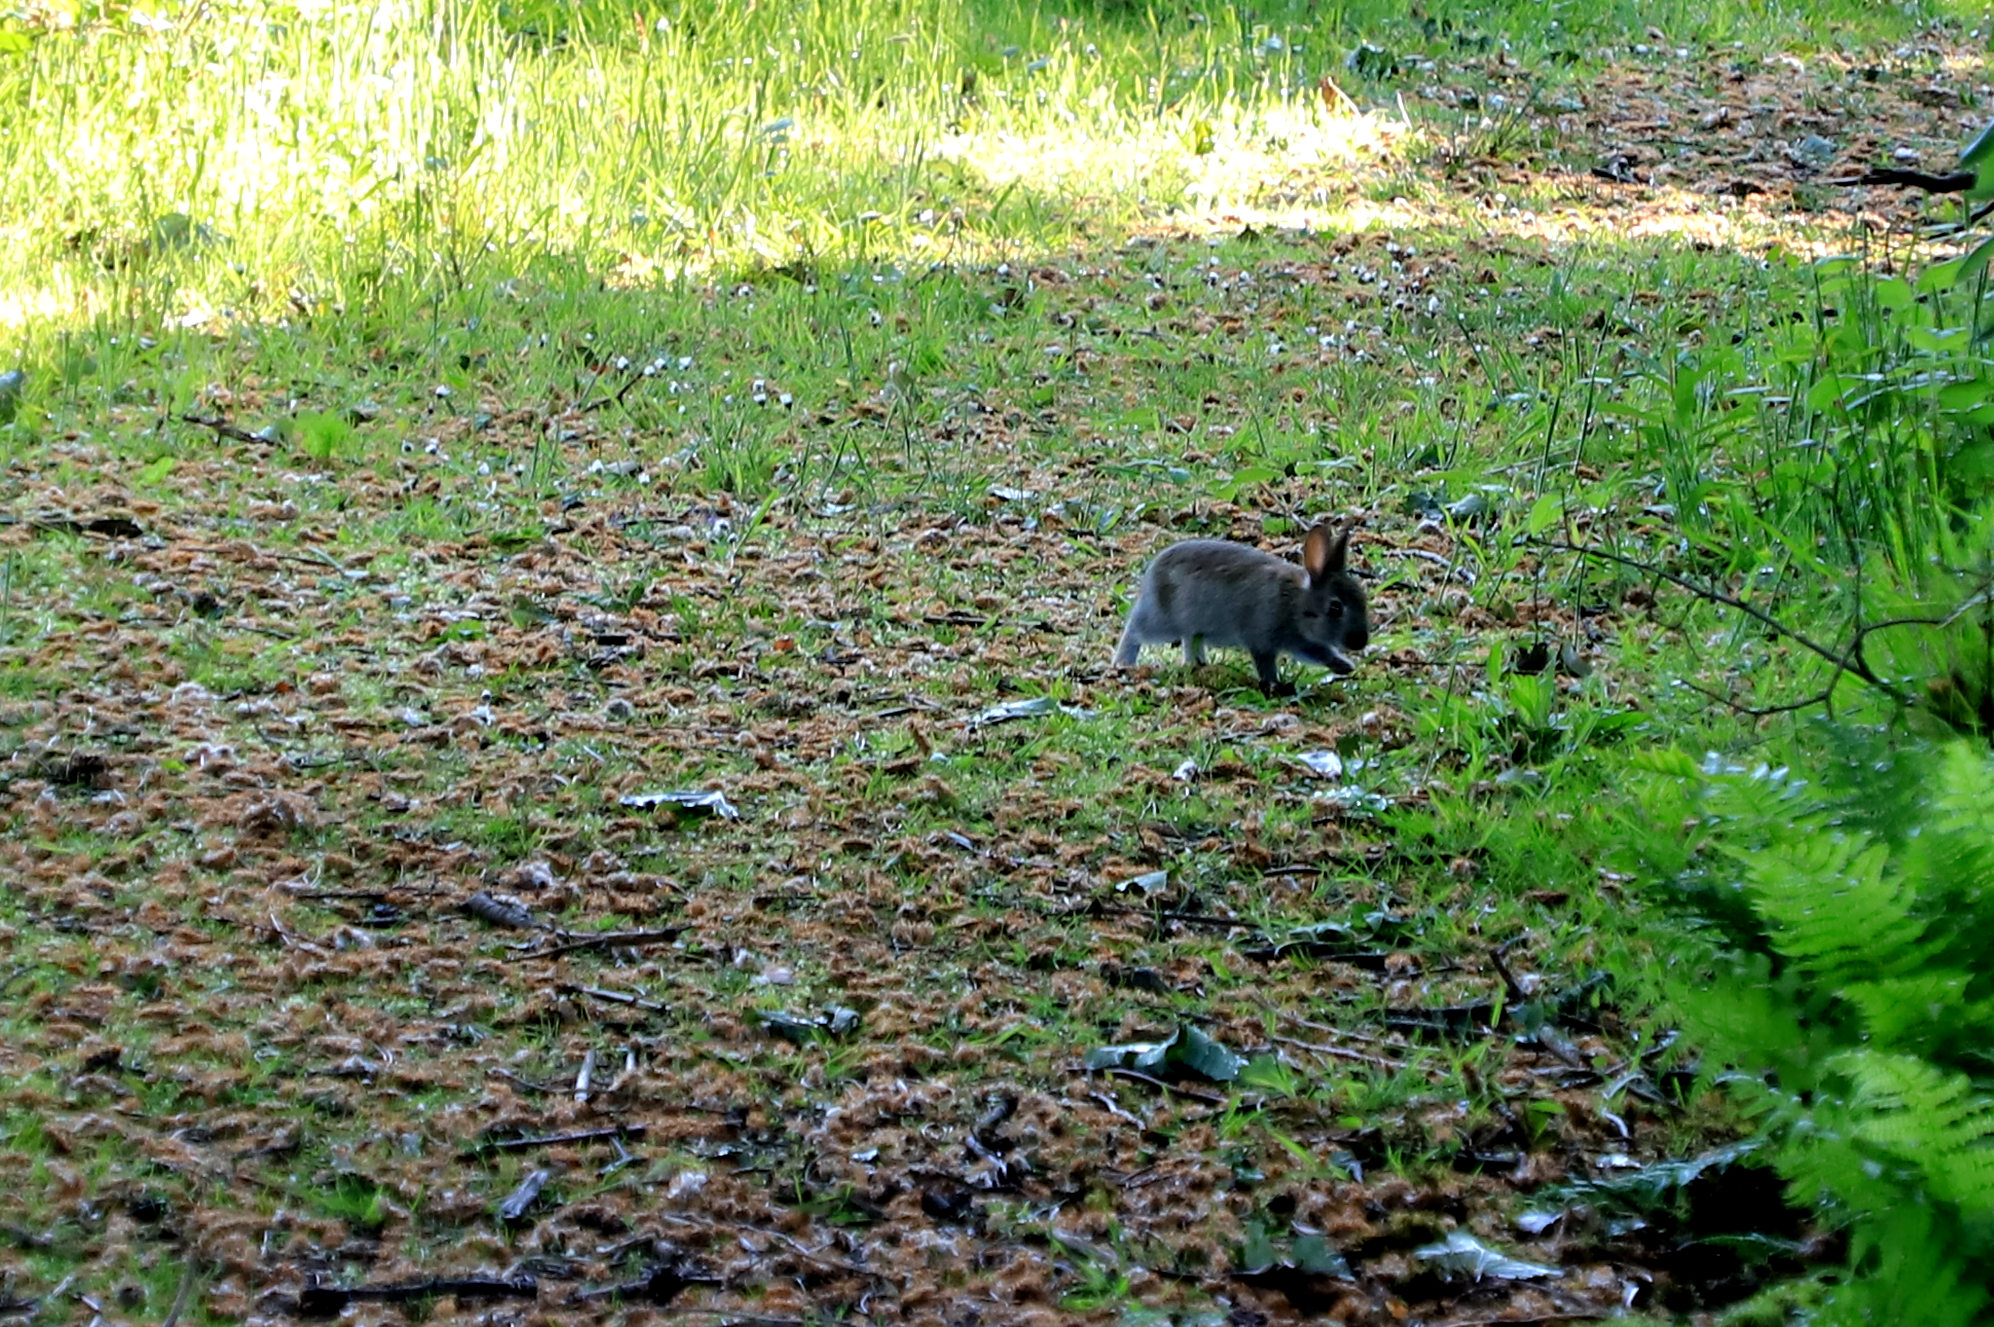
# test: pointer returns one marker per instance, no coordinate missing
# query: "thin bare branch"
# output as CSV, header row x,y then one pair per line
x,y
1849,660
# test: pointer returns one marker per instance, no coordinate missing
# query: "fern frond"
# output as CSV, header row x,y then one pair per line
x,y
1917,1011
1934,1120
1833,905
1915,1274
1844,986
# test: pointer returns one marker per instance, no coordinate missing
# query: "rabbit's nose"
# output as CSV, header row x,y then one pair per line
x,y
1359,638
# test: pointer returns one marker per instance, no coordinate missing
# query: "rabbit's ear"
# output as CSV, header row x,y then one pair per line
x,y
1322,556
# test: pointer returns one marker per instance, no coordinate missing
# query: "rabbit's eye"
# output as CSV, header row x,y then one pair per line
x,y
1335,608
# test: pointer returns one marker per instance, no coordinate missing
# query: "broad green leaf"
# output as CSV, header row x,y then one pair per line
x,y
1312,1254
1979,149
1964,396
1939,277
1974,463
1254,474
1895,294
1185,1051
1974,263
1826,392
1945,340
1210,1058
1544,514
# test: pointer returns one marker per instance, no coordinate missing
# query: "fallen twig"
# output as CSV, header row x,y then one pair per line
x,y
477,1150
1952,182
1209,1098
319,1300
614,997
661,1287
180,1297
222,428
1338,1052
1848,661
612,940
1299,1021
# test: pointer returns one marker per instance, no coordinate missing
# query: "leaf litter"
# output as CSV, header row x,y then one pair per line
x,y
288,783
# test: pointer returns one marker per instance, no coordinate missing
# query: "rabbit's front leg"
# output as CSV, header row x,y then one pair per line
x,y
1270,675
1130,647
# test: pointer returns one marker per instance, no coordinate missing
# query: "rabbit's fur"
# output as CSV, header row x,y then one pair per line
x,y
1214,592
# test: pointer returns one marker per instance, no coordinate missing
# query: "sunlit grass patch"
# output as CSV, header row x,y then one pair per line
x,y
223,163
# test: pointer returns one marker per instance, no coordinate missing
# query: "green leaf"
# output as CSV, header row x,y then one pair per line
x,y
1312,1254
1895,293
1826,392
1959,271
1971,266
1939,341
1939,277
1184,1053
1974,463
1963,396
1207,1057
1544,514
155,471
1125,1056
321,435
1979,149
1253,474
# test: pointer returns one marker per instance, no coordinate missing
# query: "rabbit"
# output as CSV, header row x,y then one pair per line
x,y
1214,592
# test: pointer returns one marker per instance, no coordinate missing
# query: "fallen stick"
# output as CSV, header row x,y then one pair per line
x,y
611,940
477,1150
319,1300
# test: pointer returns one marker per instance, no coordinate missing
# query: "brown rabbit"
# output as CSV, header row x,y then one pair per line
x,y
1214,592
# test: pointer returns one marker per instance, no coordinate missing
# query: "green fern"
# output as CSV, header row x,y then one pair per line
x,y
1839,982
